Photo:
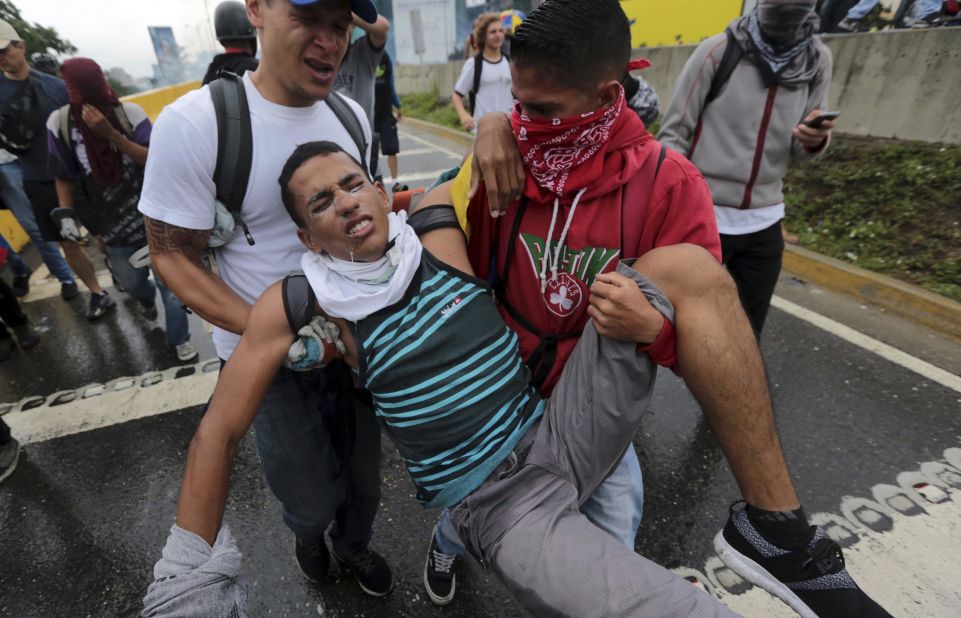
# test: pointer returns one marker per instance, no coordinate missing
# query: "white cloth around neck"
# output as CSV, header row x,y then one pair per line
x,y
354,290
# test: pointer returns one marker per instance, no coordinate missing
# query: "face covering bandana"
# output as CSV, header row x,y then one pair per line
x,y
354,290
563,155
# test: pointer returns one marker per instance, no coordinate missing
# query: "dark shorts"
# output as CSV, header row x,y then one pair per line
x,y
43,198
389,142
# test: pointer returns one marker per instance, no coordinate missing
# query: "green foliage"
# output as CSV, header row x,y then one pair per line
x,y
119,88
887,206
428,106
37,38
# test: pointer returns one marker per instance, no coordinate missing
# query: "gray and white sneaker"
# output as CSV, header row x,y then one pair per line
x,y
186,351
812,579
99,305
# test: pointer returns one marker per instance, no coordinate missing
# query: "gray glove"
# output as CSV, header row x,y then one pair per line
x,y
317,344
195,579
66,219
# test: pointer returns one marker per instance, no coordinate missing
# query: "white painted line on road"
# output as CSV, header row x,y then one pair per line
x,y
116,405
415,151
885,351
433,174
48,288
433,146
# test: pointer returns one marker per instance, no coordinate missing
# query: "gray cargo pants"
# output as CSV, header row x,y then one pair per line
x,y
524,520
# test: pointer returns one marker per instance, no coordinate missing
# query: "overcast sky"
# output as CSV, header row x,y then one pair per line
x,y
114,32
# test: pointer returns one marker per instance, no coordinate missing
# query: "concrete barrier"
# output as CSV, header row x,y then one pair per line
x,y
899,84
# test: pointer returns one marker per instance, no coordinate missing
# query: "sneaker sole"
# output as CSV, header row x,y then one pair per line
x,y
757,575
13,466
439,600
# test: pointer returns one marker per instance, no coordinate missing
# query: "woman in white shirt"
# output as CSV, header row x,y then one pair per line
x,y
491,91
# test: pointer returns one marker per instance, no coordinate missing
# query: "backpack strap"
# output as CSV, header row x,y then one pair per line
x,y
478,69
63,118
121,115
433,218
346,116
235,144
729,61
300,303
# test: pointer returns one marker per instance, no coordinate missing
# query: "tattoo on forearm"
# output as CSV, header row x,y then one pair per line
x,y
166,238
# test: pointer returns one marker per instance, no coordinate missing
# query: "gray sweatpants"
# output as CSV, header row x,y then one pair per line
x,y
524,520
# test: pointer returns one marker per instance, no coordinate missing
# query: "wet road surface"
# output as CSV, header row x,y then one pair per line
x,y
84,517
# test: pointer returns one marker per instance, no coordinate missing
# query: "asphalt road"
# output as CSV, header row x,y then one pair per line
x,y
106,414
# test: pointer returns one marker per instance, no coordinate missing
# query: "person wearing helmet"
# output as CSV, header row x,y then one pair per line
x,y
45,63
238,37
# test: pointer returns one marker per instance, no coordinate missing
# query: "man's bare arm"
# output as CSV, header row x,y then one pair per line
x,y
176,255
240,389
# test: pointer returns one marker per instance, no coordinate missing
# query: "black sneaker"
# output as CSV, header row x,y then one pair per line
x,y
811,580
439,577
69,291
9,455
21,285
99,305
313,559
371,572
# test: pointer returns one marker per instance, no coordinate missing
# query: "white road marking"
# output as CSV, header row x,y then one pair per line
x,y
415,176
885,351
456,155
415,151
123,399
42,287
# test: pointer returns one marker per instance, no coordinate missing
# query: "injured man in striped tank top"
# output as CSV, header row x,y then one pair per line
x,y
424,337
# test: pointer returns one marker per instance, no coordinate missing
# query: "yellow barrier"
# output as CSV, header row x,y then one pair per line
x,y
670,22
152,101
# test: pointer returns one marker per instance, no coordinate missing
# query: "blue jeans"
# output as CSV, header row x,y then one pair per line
x,y
922,8
320,448
615,507
137,283
17,265
15,198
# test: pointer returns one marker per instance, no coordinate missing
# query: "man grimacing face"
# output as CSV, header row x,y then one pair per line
x,y
344,214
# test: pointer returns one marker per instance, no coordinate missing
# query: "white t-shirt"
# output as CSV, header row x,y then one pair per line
x,y
494,93
179,187
741,221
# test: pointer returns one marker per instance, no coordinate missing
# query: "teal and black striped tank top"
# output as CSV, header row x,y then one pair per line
x,y
447,381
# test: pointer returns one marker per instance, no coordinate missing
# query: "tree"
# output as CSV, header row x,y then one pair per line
x,y
37,38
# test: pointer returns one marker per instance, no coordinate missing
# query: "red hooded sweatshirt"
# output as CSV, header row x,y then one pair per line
x,y
624,213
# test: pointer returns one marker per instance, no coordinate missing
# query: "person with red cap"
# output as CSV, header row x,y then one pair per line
x,y
98,148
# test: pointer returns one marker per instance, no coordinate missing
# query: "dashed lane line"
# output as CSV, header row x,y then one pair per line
x,y
121,400
885,351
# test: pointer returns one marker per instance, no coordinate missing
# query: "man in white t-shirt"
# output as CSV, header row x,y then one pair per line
x,y
318,439
493,92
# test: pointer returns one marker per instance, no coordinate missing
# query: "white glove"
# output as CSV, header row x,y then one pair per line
x,y
317,344
66,218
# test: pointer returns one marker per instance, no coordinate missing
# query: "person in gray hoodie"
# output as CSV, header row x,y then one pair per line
x,y
743,135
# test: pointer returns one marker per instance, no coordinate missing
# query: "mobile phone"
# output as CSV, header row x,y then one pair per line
x,y
817,121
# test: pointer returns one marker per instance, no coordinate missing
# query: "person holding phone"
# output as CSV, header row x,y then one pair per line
x,y
749,101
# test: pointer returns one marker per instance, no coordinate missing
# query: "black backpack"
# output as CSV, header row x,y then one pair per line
x,y
21,116
478,68
235,140
732,56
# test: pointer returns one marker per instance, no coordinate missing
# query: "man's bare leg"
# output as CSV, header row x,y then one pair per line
x,y
722,366
392,166
80,264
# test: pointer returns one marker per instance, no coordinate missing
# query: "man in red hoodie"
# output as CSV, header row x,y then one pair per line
x,y
599,189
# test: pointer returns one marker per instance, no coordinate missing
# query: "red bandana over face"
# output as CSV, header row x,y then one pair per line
x,y
563,155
